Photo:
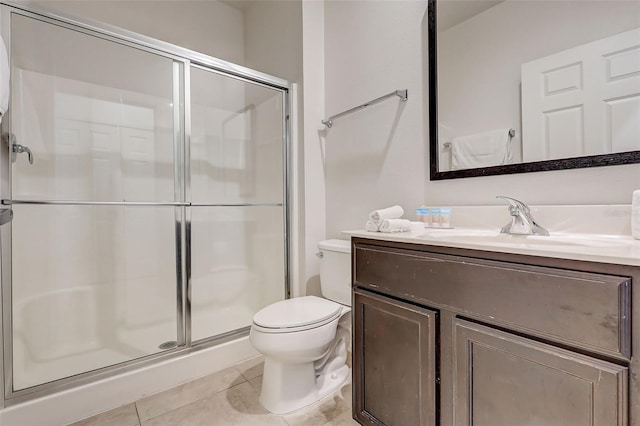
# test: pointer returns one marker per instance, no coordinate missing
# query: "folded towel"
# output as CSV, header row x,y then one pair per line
x,y
377,216
395,225
371,226
481,150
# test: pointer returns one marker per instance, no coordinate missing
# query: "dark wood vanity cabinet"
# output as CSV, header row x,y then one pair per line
x,y
505,380
446,336
398,366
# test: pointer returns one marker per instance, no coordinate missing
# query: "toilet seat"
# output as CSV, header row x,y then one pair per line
x,y
297,314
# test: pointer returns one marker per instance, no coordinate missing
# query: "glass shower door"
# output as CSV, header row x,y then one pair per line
x,y
94,276
237,194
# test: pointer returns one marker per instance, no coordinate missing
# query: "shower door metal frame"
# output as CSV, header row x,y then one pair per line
x,y
182,133
285,194
178,203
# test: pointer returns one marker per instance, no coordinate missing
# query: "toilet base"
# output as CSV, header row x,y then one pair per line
x,y
288,387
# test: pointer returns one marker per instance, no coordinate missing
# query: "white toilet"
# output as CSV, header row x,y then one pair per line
x,y
305,351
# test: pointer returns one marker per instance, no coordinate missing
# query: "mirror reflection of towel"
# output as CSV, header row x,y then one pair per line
x,y
481,150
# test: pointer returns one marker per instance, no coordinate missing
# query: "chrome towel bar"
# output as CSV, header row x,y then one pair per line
x,y
402,94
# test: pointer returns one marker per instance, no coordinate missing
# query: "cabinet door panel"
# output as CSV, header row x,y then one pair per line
x,y
394,362
506,380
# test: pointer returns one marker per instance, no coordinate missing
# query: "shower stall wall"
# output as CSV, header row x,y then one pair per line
x,y
153,217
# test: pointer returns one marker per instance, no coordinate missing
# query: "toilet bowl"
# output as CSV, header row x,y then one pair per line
x,y
305,351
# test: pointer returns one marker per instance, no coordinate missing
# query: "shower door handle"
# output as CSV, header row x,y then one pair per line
x,y
19,149
16,148
6,216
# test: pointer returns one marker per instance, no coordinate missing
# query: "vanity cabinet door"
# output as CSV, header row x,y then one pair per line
x,y
394,358
506,380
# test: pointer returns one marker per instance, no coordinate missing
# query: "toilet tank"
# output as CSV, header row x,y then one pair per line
x,y
335,270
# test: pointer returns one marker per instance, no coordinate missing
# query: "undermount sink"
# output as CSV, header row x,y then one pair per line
x,y
495,238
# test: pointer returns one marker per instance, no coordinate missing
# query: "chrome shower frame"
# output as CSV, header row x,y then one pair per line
x,y
183,60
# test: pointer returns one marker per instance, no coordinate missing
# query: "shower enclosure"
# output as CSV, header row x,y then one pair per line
x,y
152,217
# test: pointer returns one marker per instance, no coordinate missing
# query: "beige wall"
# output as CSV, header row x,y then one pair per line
x,y
314,207
273,37
209,27
375,157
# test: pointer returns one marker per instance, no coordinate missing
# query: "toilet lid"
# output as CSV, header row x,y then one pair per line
x,y
297,312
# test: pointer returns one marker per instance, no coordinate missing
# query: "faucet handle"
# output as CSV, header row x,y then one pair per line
x,y
515,204
522,222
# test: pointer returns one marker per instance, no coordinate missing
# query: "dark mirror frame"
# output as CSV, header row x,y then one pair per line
x,y
537,166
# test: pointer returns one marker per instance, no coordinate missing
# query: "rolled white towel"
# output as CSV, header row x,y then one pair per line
x,y
395,225
377,216
371,226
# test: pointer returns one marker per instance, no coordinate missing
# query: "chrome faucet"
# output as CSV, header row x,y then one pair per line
x,y
522,223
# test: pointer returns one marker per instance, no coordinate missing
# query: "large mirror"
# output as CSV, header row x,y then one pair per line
x,y
520,86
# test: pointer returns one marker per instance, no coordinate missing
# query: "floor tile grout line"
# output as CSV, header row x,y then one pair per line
x,y
186,385
245,377
256,388
242,379
193,402
242,374
236,384
135,404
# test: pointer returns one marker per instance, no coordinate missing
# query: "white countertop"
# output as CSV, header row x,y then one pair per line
x,y
616,249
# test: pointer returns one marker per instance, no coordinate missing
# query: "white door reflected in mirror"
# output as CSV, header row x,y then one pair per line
x,y
583,101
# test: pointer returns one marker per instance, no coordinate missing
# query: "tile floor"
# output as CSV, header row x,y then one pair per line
x,y
226,398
